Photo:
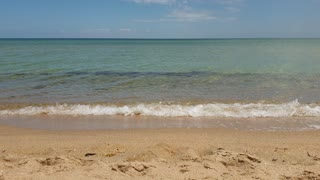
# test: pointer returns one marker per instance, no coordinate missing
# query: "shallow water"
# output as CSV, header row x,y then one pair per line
x,y
219,77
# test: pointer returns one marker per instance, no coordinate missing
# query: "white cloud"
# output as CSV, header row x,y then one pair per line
x,y
184,11
154,1
182,15
190,15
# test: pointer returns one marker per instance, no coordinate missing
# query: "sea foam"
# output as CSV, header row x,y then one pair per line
x,y
235,110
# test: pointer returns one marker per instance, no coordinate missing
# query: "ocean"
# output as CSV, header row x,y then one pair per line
x,y
222,78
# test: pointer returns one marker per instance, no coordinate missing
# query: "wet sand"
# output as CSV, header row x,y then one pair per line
x,y
67,122
158,154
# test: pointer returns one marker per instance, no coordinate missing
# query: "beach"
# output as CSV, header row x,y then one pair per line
x,y
159,109
160,89
212,153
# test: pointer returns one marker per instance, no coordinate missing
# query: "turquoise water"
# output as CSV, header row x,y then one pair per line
x,y
124,72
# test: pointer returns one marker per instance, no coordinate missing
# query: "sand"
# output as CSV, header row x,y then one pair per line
x,y
158,154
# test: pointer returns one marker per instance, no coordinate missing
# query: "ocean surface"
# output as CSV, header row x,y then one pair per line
x,y
233,78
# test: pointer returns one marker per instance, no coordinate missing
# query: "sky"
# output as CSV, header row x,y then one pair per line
x,y
159,18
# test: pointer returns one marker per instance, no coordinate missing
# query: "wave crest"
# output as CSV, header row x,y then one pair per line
x,y
236,110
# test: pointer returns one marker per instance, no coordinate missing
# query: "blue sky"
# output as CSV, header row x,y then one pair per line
x,y
159,18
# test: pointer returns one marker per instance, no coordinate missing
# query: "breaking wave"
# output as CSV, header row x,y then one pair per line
x,y
235,110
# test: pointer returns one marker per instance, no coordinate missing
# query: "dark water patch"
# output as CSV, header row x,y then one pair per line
x,y
293,77
77,73
111,73
158,86
44,74
20,74
39,86
155,74
195,77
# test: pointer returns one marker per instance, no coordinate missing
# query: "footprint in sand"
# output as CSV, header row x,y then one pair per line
x,y
184,169
131,169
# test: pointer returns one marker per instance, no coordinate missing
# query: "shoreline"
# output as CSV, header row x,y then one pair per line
x,y
68,122
212,153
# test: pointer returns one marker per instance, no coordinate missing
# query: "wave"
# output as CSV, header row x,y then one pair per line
x,y
235,110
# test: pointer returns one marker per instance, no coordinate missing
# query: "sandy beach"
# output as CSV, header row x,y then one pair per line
x,y
158,154
160,89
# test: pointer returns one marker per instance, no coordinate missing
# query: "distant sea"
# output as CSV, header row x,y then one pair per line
x,y
165,78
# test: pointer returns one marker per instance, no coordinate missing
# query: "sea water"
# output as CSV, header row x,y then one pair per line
x,y
234,78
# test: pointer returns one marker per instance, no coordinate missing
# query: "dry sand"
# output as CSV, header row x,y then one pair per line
x,y
158,154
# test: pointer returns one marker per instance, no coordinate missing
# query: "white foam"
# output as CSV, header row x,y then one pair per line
x,y
314,126
236,110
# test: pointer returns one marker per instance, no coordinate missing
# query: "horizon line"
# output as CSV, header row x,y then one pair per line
x,y
57,38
